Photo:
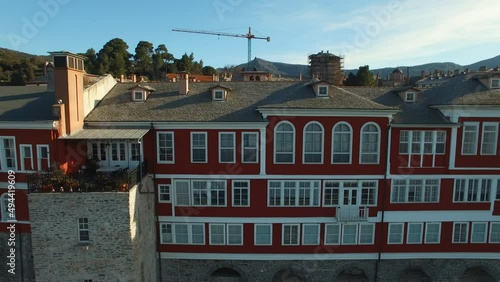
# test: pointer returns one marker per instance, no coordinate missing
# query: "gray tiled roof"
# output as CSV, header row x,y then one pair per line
x,y
25,103
241,106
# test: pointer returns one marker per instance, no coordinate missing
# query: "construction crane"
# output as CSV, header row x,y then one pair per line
x,y
249,36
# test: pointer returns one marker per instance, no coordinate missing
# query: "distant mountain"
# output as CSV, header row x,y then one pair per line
x,y
415,71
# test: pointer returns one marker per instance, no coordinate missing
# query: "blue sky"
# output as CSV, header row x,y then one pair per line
x,y
378,33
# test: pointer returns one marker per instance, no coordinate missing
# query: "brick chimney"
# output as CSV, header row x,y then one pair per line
x,y
49,72
422,74
184,83
300,77
68,78
134,79
122,78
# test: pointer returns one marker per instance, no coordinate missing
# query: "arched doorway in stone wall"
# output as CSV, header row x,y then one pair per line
x,y
226,274
414,275
289,275
476,274
352,274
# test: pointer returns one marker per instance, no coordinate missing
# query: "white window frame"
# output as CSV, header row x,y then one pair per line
x,y
476,132
322,87
233,148
209,191
164,186
350,142
321,153
270,226
81,223
389,228
372,240
421,142
497,81
21,151
477,192
233,194
413,95
283,234
356,234
5,199
304,234
296,188
189,233
484,239
293,142
3,159
158,154
426,183
339,233
362,139
340,187
426,241
421,229
466,233
492,224
39,158
241,234
175,192
218,91
135,95
204,133
495,139
243,147
210,226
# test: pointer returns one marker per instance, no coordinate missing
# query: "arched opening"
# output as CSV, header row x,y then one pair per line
x,y
252,78
476,274
352,274
257,78
288,275
225,274
414,275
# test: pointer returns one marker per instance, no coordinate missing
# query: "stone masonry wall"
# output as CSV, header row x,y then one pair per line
x,y
320,270
24,271
57,254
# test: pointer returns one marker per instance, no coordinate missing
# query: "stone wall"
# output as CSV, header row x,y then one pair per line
x,y
24,270
320,270
116,250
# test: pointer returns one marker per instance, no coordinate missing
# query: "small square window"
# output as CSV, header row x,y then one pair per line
x,y
218,95
322,91
164,193
138,96
495,83
410,97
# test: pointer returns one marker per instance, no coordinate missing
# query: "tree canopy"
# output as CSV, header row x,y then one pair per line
x,y
362,78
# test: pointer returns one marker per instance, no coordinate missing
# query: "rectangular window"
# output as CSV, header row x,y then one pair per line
x,y
7,213
241,193
165,147
366,233
489,138
332,234
416,142
138,96
368,193
322,91
410,97
26,157
422,142
217,234
249,147
293,193
495,232
43,158
469,139
118,151
263,234
331,193
403,142
199,147
83,230
164,193
310,234
495,83
472,190
208,192
395,233
479,232
227,147
460,232
182,233
235,234
182,193
349,234
135,152
432,233
414,235
290,234
415,191
218,95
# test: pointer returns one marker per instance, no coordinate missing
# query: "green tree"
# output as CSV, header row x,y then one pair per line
x,y
114,58
28,70
144,58
18,78
351,80
364,77
161,60
91,64
208,70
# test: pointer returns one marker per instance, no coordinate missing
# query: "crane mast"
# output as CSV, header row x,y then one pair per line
x,y
249,36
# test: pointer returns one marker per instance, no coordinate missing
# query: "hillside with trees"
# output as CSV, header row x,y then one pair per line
x,y
17,68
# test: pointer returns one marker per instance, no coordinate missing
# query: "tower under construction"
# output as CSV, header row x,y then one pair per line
x,y
327,66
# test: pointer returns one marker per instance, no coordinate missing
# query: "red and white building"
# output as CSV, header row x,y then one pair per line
x,y
305,181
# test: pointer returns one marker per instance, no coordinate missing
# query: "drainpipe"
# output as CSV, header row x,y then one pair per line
x,y
384,195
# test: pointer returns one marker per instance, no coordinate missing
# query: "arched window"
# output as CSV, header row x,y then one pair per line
x,y
284,143
341,143
370,144
313,143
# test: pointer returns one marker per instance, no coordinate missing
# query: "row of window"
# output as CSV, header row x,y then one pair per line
x,y
8,156
292,234
430,233
307,193
489,139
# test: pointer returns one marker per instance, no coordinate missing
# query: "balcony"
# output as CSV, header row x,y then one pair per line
x,y
353,213
85,180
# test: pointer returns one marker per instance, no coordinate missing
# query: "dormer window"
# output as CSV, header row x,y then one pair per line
x,y
322,91
140,93
495,83
410,97
138,96
218,95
